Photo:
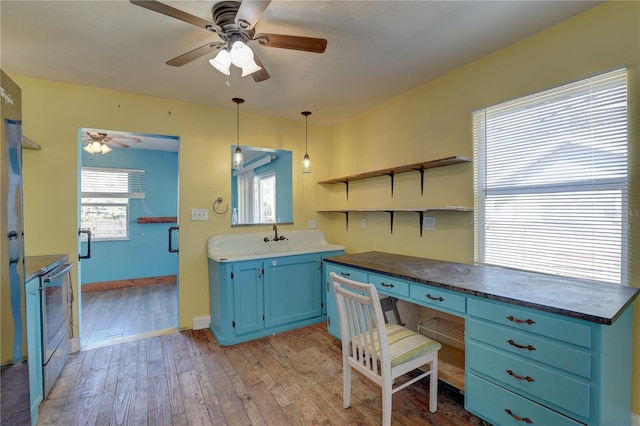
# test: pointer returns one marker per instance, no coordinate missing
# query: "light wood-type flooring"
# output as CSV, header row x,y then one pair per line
x,y
293,378
115,315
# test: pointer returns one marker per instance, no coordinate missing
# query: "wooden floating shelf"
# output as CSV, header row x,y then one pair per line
x,y
162,219
391,172
420,210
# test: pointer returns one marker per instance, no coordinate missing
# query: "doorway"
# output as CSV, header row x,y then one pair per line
x,y
128,200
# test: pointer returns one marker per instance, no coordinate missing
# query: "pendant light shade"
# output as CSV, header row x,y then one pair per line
x,y
238,159
306,161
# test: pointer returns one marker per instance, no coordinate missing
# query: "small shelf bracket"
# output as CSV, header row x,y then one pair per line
x,y
421,221
346,219
421,171
391,175
390,218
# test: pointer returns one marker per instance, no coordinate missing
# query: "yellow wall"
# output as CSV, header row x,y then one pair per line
x,y
52,114
429,122
434,121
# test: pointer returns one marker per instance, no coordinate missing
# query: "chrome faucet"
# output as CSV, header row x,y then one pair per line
x,y
276,237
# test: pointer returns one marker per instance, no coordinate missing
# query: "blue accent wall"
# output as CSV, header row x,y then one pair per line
x,y
146,253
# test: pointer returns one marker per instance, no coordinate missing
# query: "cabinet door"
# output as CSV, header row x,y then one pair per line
x,y
293,289
34,344
248,296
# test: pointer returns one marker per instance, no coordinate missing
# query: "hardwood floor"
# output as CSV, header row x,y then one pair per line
x,y
188,379
115,315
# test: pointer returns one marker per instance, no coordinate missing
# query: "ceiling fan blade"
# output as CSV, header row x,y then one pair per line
x,y
250,12
172,12
118,144
194,54
128,138
262,74
307,44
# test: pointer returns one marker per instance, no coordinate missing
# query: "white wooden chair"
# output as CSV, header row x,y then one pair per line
x,y
380,352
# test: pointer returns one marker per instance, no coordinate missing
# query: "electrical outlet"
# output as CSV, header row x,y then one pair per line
x,y
311,224
363,223
429,223
199,214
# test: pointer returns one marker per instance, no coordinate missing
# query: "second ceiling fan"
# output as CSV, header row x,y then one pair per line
x,y
234,22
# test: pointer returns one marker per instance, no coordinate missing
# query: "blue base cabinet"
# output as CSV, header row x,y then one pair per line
x,y
256,298
34,345
523,365
549,369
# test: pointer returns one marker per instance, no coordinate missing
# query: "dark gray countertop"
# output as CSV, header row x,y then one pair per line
x,y
593,301
36,265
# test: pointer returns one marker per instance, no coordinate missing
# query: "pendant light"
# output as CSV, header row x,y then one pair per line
x,y
238,158
306,161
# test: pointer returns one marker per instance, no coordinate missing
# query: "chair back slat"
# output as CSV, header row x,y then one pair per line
x,y
361,324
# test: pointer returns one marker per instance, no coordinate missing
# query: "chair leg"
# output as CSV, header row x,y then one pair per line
x,y
433,386
387,396
346,385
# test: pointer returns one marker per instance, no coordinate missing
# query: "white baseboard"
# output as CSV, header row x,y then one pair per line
x,y
201,322
635,419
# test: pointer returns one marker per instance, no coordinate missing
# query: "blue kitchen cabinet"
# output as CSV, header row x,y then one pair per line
x,y
524,364
256,298
293,291
34,345
247,280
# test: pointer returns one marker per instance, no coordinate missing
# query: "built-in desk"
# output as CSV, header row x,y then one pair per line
x,y
539,349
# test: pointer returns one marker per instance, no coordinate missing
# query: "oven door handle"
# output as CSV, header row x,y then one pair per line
x,y
49,278
88,232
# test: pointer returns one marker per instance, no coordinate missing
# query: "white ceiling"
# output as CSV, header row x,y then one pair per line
x,y
376,49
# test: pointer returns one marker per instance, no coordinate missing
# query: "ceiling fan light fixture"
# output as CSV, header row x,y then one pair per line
x,y
241,54
96,147
250,68
222,61
105,148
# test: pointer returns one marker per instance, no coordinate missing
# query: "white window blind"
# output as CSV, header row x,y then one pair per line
x,y
105,200
99,182
551,181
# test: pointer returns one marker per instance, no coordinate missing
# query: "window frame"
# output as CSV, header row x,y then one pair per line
x,y
603,186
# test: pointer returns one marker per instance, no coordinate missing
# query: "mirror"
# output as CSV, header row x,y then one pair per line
x,y
262,192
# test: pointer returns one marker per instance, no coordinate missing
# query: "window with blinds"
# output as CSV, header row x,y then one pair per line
x,y
105,200
551,181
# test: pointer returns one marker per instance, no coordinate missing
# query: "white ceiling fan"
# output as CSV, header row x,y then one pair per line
x,y
98,142
234,23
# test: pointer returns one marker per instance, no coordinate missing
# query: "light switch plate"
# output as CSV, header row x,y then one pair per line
x,y
199,214
311,224
363,223
429,223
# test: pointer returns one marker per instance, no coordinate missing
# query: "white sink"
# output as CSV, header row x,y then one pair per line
x,y
235,247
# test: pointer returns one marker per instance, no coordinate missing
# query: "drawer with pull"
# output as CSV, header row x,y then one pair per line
x,y
529,346
502,407
531,321
438,298
525,377
350,273
390,286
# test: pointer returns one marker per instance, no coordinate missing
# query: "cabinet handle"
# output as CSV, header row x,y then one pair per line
x,y
520,321
515,376
345,274
439,299
386,285
512,343
259,272
520,419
